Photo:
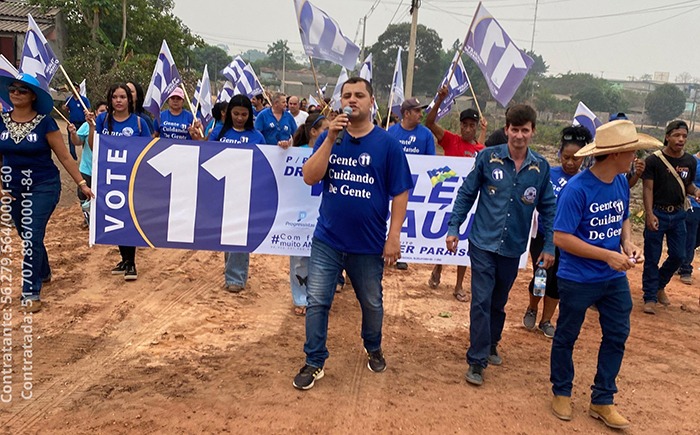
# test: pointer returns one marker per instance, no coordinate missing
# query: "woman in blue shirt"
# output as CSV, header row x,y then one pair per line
x,y
175,122
31,183
137,98
119,120
237,129
572,140
304,137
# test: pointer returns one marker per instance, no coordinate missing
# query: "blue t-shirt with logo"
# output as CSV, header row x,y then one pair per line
x,y
361,177
76,109
274,130
128,127
33,153
558,178
248,137
417,141
593,211
174,126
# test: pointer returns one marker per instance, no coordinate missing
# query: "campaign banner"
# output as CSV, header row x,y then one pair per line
x,y
247,198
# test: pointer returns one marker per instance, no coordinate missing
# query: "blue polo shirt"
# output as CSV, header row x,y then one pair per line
x,y
362,175
274,130
593,211
76,108
507,200
420,140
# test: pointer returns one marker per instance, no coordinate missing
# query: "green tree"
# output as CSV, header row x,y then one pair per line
x,y
253,55
428,66
665,103
210,55
113,40
277,51
532,79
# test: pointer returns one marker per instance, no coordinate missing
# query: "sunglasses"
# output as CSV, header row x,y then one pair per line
x,y
568,137
21,89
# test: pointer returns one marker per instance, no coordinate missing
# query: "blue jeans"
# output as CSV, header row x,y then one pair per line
x,y
692,222
614,304
236,270
31,214
298,276
492,277
655,278
365,272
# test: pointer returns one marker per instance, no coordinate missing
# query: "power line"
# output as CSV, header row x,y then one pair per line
x,y
395,12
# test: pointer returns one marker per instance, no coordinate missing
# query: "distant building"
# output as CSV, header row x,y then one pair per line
x,y
13,27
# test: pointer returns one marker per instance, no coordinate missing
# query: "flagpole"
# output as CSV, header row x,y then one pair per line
x,y
461,50
481,116
318,88
61,115
391,100
76,94
189,102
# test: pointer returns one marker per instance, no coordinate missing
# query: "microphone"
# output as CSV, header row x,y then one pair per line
x,y
348,111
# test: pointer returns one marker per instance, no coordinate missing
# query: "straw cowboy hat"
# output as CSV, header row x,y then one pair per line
x,y
618,137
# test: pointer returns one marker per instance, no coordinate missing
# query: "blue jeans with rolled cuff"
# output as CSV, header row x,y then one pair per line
x,y
236,268
614,304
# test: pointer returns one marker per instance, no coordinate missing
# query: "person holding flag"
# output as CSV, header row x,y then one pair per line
x,y
463,145
31,182
175,123
119,120
76,116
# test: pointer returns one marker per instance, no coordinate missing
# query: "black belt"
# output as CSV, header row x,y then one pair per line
x,y
668,208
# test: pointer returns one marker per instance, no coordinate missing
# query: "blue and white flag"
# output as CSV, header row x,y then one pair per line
x,y
202,98
312,101
82,89
503,64
226,92
7,70
342,78
323,89
457,86
234,70
322,38
366,69
248,83
397,95
366,73
38,59
586,118
164,80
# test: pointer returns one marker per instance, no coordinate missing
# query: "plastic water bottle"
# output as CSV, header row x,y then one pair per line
x,y
540,281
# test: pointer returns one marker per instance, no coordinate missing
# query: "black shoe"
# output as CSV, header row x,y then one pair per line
x,y
307,376
376,362
120,268
401,265
494,358
475,374
130,272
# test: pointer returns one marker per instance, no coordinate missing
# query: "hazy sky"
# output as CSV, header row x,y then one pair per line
x,y
612,38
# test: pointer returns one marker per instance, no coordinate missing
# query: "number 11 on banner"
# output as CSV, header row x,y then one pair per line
x,y
181,163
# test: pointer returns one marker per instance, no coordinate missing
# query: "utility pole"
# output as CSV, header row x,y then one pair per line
x,y
284,66
534,25
364,31
415,4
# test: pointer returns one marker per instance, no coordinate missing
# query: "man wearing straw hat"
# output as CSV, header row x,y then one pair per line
x,y
593,232
668,178
511,181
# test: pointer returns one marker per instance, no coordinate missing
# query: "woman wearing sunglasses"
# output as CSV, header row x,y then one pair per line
x,y
31,183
